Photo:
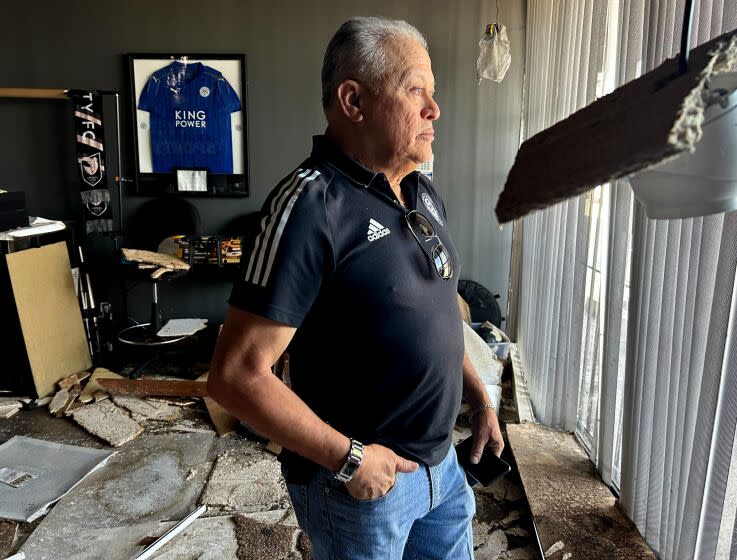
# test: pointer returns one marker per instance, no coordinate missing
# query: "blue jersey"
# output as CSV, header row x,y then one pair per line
x,y
190,107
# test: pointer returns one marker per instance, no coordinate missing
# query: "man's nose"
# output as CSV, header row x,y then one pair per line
x,y
431,110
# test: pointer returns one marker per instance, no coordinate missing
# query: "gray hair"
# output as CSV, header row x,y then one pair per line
x,y
357,51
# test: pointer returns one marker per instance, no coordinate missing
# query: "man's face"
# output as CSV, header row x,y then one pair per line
x,y
400,117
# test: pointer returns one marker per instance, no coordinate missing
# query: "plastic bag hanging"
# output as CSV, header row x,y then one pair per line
x,y
494,58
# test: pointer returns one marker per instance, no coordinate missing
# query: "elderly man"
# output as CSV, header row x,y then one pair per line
x,y
354,270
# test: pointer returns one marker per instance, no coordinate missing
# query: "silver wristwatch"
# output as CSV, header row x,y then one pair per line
x,y
355,456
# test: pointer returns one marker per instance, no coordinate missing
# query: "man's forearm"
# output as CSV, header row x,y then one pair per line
x,y
275,411
474,391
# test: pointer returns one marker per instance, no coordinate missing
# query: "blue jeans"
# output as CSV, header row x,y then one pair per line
x,y
426,515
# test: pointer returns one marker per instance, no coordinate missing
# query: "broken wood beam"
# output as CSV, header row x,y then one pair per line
x,y
154,387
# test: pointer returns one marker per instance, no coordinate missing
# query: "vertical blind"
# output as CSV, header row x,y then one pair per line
x,y
680,407
564,59
664,377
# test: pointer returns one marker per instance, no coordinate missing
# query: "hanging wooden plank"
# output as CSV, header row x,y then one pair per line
x,y
640,124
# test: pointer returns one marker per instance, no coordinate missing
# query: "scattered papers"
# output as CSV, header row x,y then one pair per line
x,y
51,470
182,327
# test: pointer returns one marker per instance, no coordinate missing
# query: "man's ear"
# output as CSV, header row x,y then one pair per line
x,y
350,95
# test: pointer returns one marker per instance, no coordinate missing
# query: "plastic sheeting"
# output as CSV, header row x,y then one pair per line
x,y
495,56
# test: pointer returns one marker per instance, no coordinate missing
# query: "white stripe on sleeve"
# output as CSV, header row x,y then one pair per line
x,y
266,224
283,223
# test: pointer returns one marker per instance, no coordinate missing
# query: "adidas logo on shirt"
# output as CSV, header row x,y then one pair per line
x,y
376,230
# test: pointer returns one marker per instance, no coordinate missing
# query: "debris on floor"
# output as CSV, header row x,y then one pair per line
x,y
240,483
574,510
36,473
10,408
142,486
170,534
146,409
93,387
108,422
169,461
59,403
207,538
260,541
503,527
8,530
73,381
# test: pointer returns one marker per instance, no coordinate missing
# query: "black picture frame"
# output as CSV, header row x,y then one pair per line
x,y
155,170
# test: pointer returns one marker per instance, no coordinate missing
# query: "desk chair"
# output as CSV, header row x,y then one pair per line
x,y
153,222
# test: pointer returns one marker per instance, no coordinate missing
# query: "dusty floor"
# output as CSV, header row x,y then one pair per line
x,y
503,527
577,515
116,510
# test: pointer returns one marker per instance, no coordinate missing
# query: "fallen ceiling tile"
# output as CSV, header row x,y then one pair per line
x,y
240,483
148,409
642,123
108,422
35,473
144,484
208,538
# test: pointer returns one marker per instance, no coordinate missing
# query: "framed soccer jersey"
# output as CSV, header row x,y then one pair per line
x,y
189,113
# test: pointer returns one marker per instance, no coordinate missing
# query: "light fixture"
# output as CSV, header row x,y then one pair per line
x,y
703,181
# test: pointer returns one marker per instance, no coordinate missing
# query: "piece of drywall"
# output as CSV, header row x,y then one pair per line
x,y
49,314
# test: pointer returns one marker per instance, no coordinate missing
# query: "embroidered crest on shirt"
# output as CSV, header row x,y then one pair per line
x,y
430,205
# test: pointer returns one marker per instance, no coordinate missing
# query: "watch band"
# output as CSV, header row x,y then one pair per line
x,y
478,409
355,456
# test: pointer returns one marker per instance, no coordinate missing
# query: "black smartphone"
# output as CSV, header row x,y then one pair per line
x,y
488,469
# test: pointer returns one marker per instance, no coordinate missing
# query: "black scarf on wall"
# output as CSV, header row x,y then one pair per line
x,y
90,148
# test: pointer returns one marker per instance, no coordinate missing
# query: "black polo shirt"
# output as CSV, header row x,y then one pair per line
x,y
378,352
